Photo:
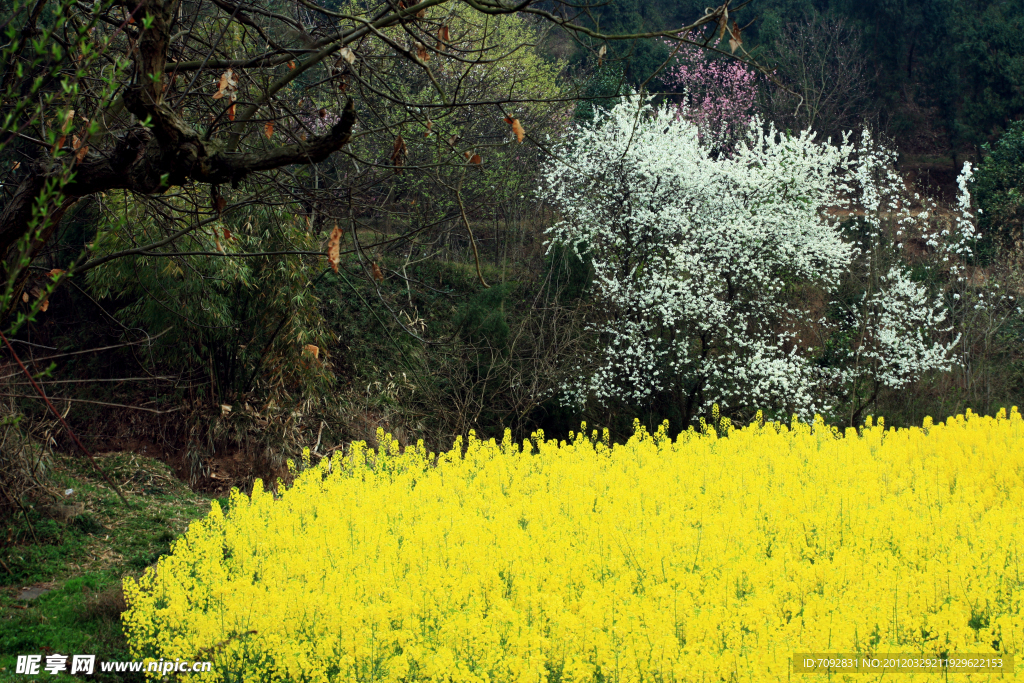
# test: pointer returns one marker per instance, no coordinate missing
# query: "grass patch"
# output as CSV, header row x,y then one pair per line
x,y
74,556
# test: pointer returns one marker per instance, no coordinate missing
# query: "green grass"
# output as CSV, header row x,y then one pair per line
x,y
83,557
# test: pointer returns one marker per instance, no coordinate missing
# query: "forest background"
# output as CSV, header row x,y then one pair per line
x,y
387,289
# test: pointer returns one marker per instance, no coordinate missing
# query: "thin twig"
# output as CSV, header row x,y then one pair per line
x,y
100,403
101,348
17,501
472,239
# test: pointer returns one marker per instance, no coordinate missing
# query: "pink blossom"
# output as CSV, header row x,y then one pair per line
x,y
718,94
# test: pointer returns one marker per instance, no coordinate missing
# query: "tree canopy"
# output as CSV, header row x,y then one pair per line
x,y
202,107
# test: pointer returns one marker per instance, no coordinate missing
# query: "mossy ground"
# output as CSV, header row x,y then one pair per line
x,y
80,560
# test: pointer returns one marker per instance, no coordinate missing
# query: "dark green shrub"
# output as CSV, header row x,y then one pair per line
x,y
482,318
233,324
999,191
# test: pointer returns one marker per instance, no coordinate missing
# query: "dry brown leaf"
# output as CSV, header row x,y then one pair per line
x,y
227,234
601,53
348,55
225,84
444,34
323,112
421,52
517,128
17,165
334,248
311,350
268,129
55,272
453,139
421,14
44,305
24,297
475,159
291,64
399,153
80,148
59,144
378,275
219,203
231,112
723,24
430,124
737,39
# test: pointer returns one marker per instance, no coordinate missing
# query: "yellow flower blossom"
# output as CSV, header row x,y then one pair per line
x,y
705,557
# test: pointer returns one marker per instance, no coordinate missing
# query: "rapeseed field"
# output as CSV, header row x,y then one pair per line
x,y
705,557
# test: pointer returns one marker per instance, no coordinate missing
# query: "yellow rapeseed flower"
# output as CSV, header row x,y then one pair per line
x,y
705,557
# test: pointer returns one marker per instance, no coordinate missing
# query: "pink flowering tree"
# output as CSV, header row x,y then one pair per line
x,y
719,95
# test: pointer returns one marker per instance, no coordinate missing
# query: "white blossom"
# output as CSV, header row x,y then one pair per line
x,y
693,252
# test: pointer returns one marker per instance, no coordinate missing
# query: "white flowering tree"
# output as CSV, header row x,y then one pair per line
x,y
894,326
701,260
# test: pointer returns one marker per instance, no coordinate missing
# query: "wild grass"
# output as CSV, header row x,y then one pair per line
x,y
77,561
